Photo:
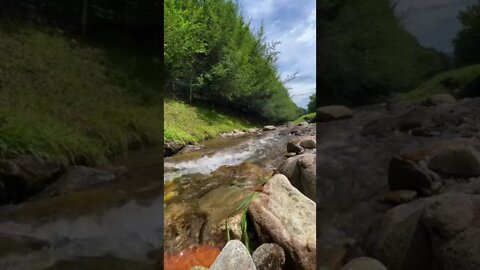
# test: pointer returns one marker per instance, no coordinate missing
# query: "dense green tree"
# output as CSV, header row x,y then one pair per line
x,y
211,55
312,104
366,54
467,41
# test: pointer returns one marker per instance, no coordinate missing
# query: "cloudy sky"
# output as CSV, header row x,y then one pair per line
x,y
433,22
292,23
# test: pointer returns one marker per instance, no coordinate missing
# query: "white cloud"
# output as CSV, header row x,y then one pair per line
x,y
293,24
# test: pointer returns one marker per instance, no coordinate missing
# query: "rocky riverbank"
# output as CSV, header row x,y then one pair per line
x,y
399,187
280,218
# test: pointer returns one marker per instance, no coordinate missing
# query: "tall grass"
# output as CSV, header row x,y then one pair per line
x,y
189,124
67,101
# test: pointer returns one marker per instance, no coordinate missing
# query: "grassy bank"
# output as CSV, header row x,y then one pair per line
x,y
447,82
190,124
67,101
305,117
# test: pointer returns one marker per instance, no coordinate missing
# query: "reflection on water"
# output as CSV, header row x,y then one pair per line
x,y
117,225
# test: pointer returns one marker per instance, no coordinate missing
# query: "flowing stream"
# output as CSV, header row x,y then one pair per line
x,y
116,226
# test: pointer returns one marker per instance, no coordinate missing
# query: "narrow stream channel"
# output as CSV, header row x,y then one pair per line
x,y
116,226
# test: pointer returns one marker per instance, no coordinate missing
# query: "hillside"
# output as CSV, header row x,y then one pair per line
x,y
72,102
190,124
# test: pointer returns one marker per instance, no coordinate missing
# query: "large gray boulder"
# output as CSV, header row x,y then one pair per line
x,y
285,216
460,161
332,113
399,240
234,256
301,170
438,233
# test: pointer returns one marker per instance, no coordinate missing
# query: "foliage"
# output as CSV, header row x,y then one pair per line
x,y
72,103
243,209
462,82
312,104
467,41
305,117
367,54
190,124
211,55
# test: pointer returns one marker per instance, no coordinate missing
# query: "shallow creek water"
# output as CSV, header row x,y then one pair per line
x,y
113,226
204,186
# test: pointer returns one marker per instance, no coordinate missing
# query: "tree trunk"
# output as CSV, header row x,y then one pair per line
x,y
84,16
190,90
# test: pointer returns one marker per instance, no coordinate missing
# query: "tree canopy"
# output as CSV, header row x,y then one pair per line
x,y
366,54
212,55
467,41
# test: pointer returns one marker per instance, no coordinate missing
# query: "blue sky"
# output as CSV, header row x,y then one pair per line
x,y
292,23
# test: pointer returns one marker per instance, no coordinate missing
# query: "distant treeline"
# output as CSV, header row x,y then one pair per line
x,y
212,56
138,21
366,54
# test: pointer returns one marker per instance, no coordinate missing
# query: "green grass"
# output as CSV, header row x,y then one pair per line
x,y
69,102
305,117
190,124
458,79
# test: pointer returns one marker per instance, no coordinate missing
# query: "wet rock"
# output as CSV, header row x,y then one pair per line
x,y
253,130
217,205
77,178
399,240
269,128
364,263
171,148
461,161
191,148
287,217
406,174
332,113
397,197
269,257
309,143
293,147
22,177
234,256
304,123
440,99
182,227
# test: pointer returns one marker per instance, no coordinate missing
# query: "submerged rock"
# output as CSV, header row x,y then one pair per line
x,y
287,217
234,256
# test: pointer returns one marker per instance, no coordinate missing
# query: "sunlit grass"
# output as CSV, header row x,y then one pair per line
x,y
67,101
191,124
